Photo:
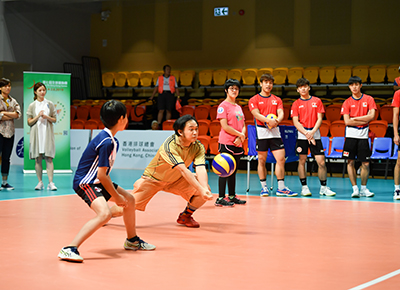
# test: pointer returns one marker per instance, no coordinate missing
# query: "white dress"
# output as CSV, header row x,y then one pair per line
x,y
42,123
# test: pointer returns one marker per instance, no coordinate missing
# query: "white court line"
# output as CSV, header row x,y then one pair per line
x,y
373,282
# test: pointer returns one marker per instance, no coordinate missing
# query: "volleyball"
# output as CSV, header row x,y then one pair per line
x,y
224,164
272,117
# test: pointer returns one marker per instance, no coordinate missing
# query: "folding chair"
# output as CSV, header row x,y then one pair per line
x,y
336,151
381,150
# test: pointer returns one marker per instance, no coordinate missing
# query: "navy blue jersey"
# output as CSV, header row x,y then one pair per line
x,y
100,152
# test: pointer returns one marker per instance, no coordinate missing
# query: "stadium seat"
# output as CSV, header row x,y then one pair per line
x,y
186,78
77,124
324,128
386,113
377,73
176,74
82,112
286,123
137,113
205,77
91,124
120,79
213,112
215,128
280,75
94,112
361,71
202,112
286,111
262,71
156,74
311,73
219,77
247,114
205,140
379,127
249,76
146,78
108,79
337,128
204,126
392,72
235,74
73,112
332,112
294,74
188,110
133,78
168,124
214,146
343,73
327,74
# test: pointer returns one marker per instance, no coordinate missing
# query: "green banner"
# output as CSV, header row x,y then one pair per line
x,y
59,92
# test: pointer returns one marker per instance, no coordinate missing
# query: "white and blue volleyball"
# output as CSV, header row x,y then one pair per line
x,y
224,164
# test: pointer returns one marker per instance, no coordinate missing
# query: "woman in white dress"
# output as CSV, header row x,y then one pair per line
x,y
41,116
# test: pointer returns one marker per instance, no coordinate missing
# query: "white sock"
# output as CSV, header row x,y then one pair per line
x,y
363,187
396,187
4,182
281,184
263,184
355,188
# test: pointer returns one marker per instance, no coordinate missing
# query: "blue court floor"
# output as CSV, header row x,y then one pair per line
x,y
25,183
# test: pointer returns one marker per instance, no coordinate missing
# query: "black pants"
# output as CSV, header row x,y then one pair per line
x,y
236,152
6,146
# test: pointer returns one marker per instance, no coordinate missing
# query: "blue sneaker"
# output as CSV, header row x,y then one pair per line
x,y
264,192
285,192
6,186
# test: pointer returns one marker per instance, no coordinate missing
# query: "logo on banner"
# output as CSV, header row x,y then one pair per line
x,y
60,111
19,150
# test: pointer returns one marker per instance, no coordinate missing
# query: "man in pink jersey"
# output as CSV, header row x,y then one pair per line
x,y
231,138
307,113
396,140
358,110
269,137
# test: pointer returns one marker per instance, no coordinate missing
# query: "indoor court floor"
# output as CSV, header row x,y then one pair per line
x,y
269,243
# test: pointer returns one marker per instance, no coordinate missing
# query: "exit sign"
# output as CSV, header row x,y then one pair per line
x,y
221,11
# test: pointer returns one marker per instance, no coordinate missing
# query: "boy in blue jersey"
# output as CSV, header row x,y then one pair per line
x,y
93,184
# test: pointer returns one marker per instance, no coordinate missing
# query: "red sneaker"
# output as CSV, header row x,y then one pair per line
x,y
187,220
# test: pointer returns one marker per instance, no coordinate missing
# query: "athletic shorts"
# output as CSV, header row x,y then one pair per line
x,y
356,147
273,144
302,147
166,101
89,192
145,188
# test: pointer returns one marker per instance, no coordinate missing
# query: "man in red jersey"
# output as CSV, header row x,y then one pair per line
x,y
358,110
307,113
269,137
396,140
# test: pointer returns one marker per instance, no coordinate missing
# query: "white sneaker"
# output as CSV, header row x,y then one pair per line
x,y
396,194
355,194
138,245
326,191
51,186
305,191
367,193
70,254
40,186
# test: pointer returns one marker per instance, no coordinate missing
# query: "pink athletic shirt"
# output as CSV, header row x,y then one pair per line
x,y
235,118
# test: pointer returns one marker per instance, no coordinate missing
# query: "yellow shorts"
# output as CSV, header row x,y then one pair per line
x,y
145,188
